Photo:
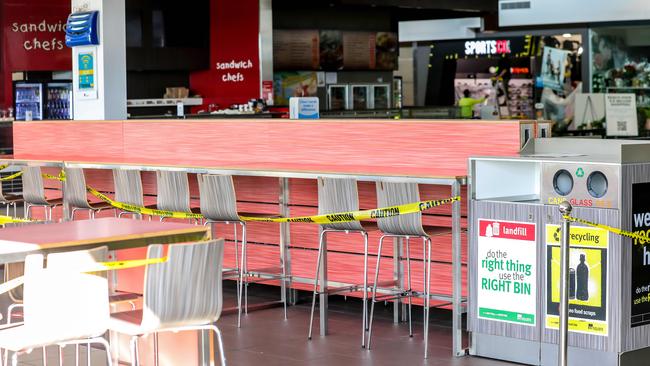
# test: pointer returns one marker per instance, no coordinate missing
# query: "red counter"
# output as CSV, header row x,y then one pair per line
x,y
396,148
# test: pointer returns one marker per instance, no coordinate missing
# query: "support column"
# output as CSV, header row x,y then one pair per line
x,y
108,100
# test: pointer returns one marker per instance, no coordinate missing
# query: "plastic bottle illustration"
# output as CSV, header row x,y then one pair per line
x,y
582,280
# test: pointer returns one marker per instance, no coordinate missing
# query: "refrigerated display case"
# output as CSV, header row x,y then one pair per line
x,y
380,97
360,98
337,97
59,100
28,101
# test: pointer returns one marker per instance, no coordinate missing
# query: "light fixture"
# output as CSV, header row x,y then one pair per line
x,y
566,35
580,50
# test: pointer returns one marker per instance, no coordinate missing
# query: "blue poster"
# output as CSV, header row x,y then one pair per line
x,y
86,70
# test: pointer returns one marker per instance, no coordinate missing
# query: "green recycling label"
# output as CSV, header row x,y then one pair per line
x,y
580,173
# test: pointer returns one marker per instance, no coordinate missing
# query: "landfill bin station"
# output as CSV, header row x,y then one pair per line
x,y
514,252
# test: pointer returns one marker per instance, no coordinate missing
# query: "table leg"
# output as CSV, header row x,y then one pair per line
x,y
457,323
323,286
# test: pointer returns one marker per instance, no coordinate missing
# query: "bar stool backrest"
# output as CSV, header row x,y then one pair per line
x,y
33,191
74,189
338,195
186,289
128,186
394,194
173,191
65,302
218,199
2,196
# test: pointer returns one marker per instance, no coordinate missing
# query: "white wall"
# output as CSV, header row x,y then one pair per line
x,y
572,11
439,29
110,69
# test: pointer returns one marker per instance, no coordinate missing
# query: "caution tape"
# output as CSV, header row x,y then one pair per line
x,y
92,268
60,177
12,176
4,166
639,239
10,220
142,210
377,213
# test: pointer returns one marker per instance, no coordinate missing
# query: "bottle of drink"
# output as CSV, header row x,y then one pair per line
x,y
582,280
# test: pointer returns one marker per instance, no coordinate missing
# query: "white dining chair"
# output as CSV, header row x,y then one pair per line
x,y
181,294
61,307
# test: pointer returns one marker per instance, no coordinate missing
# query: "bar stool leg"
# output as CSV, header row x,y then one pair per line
x,y
156,359
315,292
245,268
374,291
61,356
410,289
135,357
427,300
243,279
365,290
238,269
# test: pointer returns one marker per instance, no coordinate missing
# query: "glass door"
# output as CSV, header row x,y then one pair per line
x,y
337,97
29,101
380,96
360,99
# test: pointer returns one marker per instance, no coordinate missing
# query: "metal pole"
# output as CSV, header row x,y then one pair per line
x,y
565,209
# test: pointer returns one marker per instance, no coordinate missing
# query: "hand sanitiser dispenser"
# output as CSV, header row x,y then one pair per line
x,y
82,29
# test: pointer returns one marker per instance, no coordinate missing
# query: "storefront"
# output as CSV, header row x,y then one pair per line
x,y
508,72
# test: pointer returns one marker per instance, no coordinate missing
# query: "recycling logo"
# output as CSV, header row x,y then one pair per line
x,y
580,173
556,234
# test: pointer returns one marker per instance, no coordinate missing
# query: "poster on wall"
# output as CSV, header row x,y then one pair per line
x,y
507,272
640,257
86,73
588,285
331,50
294,84
620,114
386,51
554,64
296,50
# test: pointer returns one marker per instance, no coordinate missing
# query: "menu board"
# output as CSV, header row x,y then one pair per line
x,y
333,50
296,49
359,50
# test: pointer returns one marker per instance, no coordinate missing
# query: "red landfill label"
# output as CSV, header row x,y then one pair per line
x,y
506,230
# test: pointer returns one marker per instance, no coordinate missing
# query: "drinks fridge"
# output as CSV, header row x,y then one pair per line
x,y
58,100
28,101
50,100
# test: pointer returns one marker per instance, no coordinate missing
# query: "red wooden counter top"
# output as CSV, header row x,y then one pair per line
x,y
427,148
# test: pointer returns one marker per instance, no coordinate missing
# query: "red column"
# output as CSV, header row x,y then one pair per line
x,y
234,74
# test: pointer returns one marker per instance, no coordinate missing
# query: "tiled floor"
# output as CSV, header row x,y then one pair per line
x,y
266,339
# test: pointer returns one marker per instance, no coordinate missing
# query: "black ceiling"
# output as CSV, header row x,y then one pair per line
x,y
489,6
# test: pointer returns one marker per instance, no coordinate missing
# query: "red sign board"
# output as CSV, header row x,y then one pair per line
x,y
234,75
33,39
507,230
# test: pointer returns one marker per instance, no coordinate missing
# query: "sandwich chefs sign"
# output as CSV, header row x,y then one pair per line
x,y
34,35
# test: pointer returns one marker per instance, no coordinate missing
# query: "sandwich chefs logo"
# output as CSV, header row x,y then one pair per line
x,y
232,70
44,35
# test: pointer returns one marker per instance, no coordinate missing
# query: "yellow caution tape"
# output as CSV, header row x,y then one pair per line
x,y
11,220
95,267
638,238
117,265
10,177
60,177
4,166
377,213
142,210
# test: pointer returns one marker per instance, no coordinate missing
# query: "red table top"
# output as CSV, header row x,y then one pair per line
x,y
114,232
